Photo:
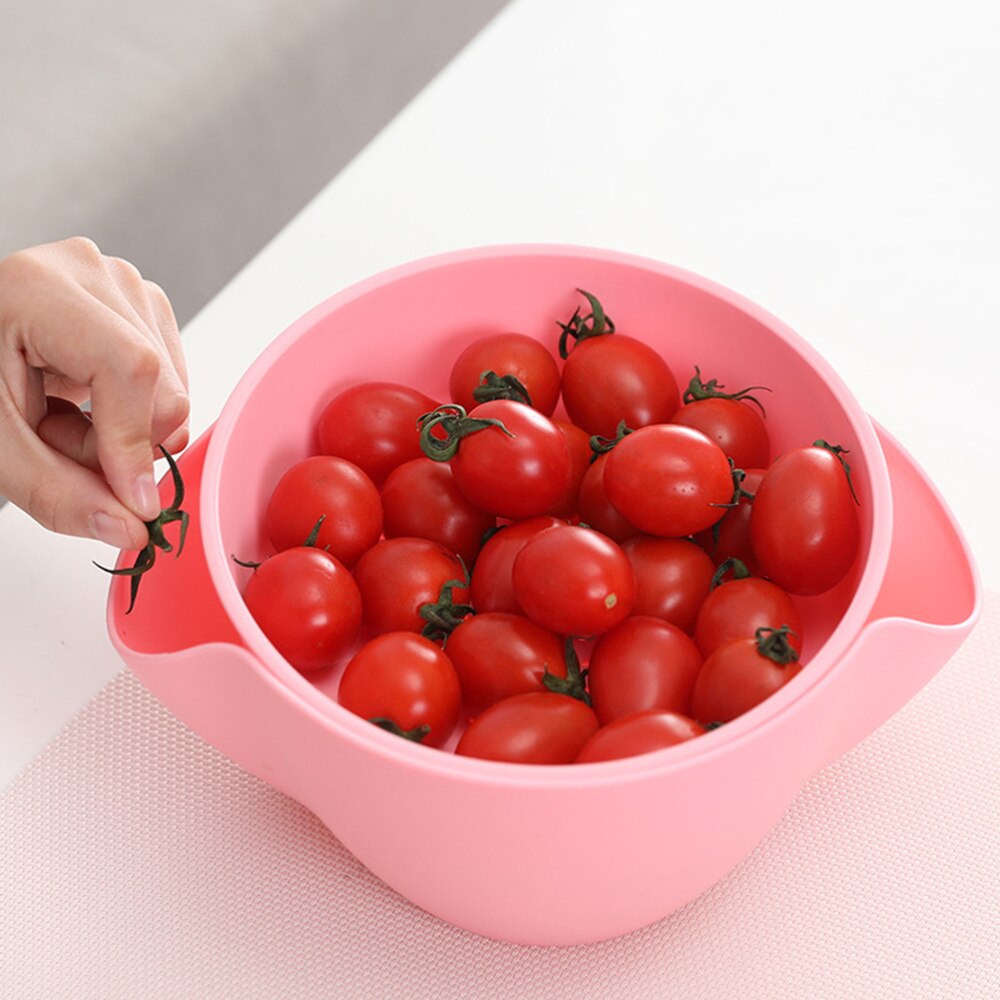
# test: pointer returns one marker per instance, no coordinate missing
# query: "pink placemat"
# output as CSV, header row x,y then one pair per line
x,y
139,863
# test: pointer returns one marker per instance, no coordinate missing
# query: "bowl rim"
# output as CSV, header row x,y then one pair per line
x,y
372,739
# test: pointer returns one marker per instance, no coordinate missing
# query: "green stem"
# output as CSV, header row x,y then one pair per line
x,y
597,323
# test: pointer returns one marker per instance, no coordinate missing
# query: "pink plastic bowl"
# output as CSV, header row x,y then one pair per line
x,y
540,854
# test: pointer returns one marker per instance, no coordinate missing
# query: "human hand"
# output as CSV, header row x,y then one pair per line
x,y
77,325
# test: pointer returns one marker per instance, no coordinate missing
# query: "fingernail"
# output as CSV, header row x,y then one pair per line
x,y
147,497
110,530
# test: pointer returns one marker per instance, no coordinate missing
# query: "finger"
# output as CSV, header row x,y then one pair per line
x,y
71,433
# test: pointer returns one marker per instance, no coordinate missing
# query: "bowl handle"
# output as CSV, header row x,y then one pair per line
x,y
930,599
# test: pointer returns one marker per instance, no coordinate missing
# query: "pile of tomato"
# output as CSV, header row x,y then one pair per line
x,y
562,589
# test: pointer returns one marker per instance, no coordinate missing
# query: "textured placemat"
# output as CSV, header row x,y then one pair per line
x,y
139,863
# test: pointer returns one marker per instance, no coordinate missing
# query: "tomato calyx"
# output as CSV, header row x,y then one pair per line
x,y
146,557
773,643
493,386
595,324
600,445
838,451
455,423
732,564
415,735
309,543
574,684
444,615
697,389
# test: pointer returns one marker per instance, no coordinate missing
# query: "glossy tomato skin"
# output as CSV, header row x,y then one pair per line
x,y
610,378
736,427
672,578
574,581
497,655
374,425
736,678
668,480
331,488
533,728
307,603
398,576
578,442
421,500
596,510
804,521
521,473
406,679
528,360
642,732
737,608
643,663
729,538
493,574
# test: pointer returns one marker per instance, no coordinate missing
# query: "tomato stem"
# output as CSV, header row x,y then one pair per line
x,y
697,389
773,643
738,568
839,452
597,323
493,386
599,445
456,424
574,684
416,734
444,615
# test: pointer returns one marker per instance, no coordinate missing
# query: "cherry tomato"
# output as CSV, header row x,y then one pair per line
x,y
729,537
741,674
534,728
596,510
507,458
668,480
672,578
492,576
404,683
497,655
642,663
574,581
374,425
578,441
642,732
306,602
399,576
331,488
804,520
609,377
420,500
737,608
514,354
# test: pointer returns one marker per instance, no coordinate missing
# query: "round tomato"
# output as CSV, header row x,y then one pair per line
x,y
672,578
399,576
668,480
420,500
331,488
642,663
578,442
609,377
741,674
507,458
405,684
804,520
493,574
506,354
497,655
540,727
574,581
596,510
307,603
729,537
374,425
637,734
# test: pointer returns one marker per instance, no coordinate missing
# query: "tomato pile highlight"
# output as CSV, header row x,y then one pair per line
x,y
507,584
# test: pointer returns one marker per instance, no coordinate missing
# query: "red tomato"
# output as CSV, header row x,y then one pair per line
x,y
668,480
399,576
578,441
507,458
642,663
498,655
507,354
609,377
804,521
306,602
672,578
374,425
741,674
492,576
534,728
637,734
420,500
737,608
574,581
337,491
596,510
729,538
404,683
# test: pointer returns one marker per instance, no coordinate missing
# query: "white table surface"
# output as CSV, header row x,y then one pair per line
x,y
838,165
